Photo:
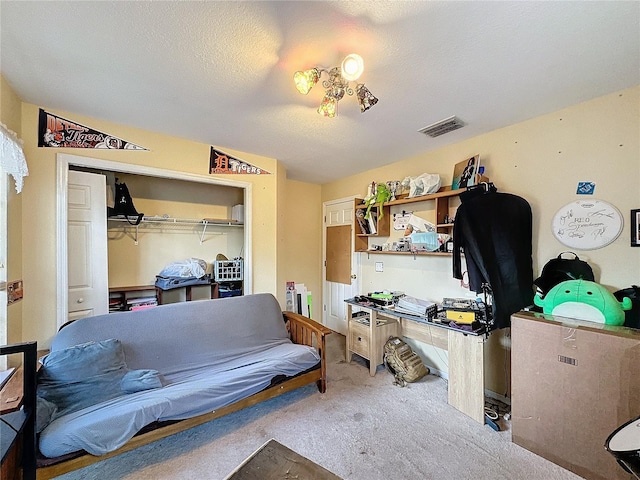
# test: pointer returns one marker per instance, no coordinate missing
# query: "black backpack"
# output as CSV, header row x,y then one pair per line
x,y
124,205
631,317
561,269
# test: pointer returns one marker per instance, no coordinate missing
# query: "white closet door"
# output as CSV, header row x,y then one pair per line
x,y
87,245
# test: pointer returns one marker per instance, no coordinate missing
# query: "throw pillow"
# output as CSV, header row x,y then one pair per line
x,y
139,380
45,411
82,375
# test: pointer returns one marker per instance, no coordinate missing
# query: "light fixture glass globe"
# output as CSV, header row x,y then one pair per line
x,y
328,107
352,67
306,79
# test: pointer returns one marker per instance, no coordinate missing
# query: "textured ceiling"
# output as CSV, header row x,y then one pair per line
x,y
221,72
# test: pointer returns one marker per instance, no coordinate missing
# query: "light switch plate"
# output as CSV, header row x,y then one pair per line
x,y
379,267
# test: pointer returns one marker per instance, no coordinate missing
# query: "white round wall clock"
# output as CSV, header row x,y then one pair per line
x,y
587,224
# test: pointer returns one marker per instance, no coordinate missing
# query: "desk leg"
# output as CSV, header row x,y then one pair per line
x,y
466,374
375,353
348,337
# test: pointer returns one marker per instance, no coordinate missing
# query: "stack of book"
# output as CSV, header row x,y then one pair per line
x,y
416,306
141,303
368,226
115,305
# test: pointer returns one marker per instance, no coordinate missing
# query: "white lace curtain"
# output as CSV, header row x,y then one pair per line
x,y
12,159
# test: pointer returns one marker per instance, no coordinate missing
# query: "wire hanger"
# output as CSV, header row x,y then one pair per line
x,y
486,186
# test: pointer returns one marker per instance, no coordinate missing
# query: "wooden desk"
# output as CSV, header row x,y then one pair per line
x,y
11,393
215,291
465,349
124,293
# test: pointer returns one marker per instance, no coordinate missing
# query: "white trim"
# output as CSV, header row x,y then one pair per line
x,y
341,200
63,161
4,316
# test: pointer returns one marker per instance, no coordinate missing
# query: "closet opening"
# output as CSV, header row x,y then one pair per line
x,y
185,216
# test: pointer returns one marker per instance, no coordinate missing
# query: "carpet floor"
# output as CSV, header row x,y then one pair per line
x,y
362,428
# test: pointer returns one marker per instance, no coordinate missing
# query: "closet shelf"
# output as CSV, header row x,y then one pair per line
x,y
177,222
156,222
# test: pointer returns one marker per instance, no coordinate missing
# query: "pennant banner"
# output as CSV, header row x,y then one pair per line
x,y
220,162
55,131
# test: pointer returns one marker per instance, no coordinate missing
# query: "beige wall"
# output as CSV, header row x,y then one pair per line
x,y
10,115
166,152
302,240
158,245
541,160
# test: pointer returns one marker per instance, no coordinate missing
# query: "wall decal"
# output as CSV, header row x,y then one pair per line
x,y
220,162
58,132
586,188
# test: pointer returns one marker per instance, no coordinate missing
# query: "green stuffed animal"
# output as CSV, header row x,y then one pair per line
x,y
381,195
584,300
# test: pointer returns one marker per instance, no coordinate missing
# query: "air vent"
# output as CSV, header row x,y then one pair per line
x,y
443,126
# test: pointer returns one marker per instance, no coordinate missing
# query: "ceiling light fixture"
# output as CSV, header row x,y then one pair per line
x,y
337,85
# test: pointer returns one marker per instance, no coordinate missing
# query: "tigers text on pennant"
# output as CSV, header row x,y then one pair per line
x,y
220,162
58,132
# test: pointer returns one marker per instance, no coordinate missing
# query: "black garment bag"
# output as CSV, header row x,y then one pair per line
x,y
494,230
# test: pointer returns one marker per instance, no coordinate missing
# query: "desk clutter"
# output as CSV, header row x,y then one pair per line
x,y
473,315
373,318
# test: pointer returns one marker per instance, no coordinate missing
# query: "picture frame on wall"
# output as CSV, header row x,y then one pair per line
x,y
464,173
635,227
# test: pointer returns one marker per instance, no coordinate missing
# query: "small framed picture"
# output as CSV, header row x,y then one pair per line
x,y
14,291
635,227
464,173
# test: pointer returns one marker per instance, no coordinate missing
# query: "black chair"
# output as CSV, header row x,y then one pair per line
x,y
21,424
624,445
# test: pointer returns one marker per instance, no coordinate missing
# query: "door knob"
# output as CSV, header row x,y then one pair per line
x,y
80,300
353,276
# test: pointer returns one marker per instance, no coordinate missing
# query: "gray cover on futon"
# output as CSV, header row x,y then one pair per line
x,y
209,354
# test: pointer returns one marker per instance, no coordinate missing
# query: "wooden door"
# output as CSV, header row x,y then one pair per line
x,y
340,264
87,245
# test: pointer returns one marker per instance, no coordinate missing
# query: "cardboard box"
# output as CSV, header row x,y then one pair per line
x,y
573,383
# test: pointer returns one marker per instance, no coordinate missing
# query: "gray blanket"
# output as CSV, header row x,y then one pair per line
x,y
208,354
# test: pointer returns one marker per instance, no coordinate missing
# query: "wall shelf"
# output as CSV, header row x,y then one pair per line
x,y
121,224
441,199
414,254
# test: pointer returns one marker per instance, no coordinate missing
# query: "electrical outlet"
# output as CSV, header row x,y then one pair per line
x,y
379,267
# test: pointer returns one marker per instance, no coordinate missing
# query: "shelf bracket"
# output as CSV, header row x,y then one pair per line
x,y
135,240
204,229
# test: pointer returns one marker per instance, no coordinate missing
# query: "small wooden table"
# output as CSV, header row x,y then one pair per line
x,y
274,461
